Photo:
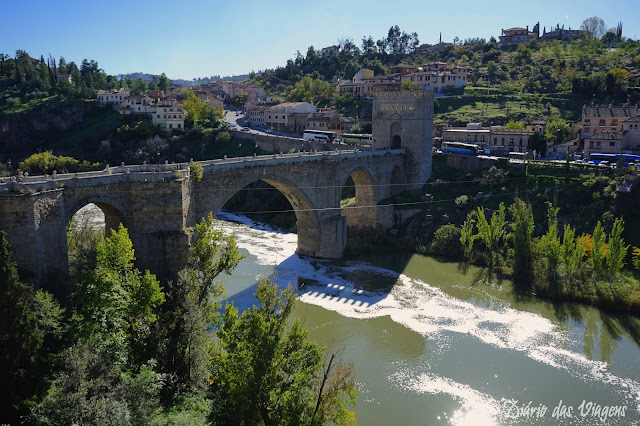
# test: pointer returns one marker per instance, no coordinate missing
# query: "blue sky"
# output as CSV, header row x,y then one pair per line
x,y
190,38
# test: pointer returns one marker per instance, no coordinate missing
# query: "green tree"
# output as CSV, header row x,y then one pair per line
x,y
522,230
491,232
90,390
617,250
410,85
598,250
557,130
594,26
517,125
636,258
312,90
116,305
550,243
164,83
192,306
573,252
269,373
466,237
30,326
446,241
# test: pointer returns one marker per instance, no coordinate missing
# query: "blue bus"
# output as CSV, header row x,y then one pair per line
x,y
614,158
459,148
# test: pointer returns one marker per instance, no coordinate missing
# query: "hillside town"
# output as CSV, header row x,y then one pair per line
x,y
383,230
606,129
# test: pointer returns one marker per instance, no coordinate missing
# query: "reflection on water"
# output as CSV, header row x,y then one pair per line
x,y
444,343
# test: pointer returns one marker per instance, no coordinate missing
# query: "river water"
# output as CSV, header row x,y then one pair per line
x,y
435,342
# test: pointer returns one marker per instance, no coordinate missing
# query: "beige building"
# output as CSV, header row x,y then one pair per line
x,y
438,76
472,133
112,97
256,114
329,52
330,121
277,116
600,118
497,140
517,35
625,141
169,116
367,86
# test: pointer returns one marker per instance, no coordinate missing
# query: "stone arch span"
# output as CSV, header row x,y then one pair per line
x,y
363,212
112,209
214,195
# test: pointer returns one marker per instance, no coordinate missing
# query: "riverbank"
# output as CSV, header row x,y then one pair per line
x,y
558,262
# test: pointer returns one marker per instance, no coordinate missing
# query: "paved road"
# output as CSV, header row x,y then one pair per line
x,y
237,118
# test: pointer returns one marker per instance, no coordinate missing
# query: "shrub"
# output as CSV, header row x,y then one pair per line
x,y
197,171
446,241
462,201
223,137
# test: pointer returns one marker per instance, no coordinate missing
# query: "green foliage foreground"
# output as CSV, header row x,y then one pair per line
x,y
130,351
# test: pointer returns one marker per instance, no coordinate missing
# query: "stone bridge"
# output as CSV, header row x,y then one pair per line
x,y
160,203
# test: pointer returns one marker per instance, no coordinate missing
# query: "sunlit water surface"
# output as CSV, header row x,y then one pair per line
x,y
442,343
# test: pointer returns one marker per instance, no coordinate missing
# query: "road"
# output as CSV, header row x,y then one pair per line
x,y
237,117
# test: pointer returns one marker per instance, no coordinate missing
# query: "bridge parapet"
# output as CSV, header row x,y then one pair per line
x,y
166,172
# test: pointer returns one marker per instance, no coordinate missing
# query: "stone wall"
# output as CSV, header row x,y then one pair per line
x,y
275,144
471,163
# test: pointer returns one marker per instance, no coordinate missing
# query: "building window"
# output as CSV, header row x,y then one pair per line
x,y
591,144
171,126
598,145
602,122
587,130
612,144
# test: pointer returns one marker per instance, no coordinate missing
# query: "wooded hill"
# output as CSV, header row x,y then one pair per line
x,y
530,80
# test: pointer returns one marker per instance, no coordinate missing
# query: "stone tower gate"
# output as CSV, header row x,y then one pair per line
x,y
404,119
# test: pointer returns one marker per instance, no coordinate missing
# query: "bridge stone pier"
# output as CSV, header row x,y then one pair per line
x,y
159,204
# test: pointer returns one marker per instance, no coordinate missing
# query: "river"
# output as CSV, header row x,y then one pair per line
x,y
436,342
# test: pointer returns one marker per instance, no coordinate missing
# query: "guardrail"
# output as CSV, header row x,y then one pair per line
x,y
164,172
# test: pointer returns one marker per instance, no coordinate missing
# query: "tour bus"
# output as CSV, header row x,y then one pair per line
x,y
459,148
356,139
614,158
319,135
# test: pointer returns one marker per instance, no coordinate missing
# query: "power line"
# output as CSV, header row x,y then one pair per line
x,y
410,203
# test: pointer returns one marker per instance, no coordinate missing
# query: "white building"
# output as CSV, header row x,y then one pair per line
x,y
112,97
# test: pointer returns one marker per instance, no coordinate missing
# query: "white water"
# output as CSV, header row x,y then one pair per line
x,y
429,311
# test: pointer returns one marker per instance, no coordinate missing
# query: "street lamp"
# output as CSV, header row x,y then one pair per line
x,y
10,169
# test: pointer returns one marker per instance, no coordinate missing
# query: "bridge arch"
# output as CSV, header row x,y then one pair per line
x,y
362,212
78,244
213,197
112,209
